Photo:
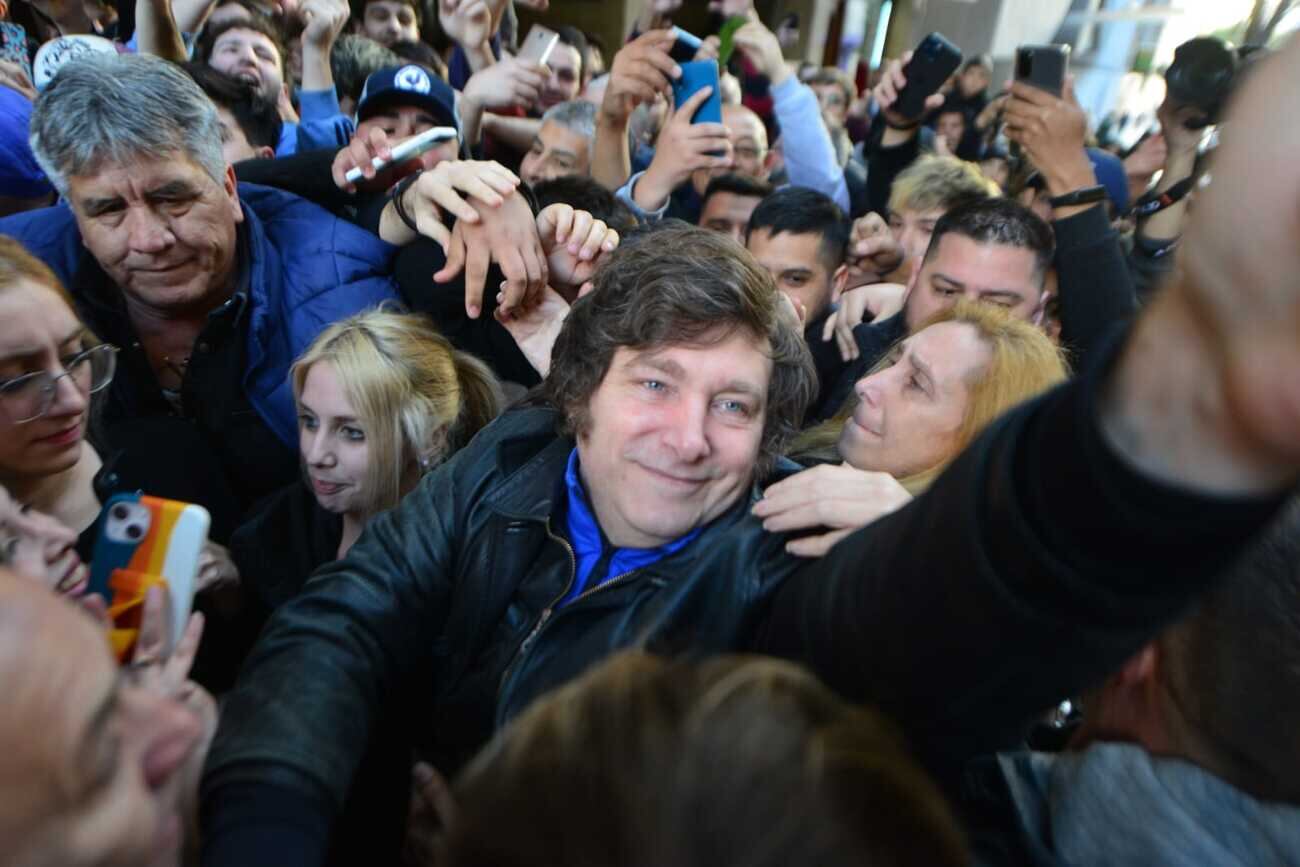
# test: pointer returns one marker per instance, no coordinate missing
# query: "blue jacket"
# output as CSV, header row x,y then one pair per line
x,y
307,270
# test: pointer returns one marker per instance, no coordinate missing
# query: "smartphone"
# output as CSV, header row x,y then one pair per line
x,y
538,45
686,46
142,542
408,150
696,75
1043,66
934,60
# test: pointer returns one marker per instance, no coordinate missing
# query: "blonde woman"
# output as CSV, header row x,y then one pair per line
x,y
382,398
916,411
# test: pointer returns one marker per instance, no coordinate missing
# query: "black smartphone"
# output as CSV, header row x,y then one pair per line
x,y
1043,66
934,60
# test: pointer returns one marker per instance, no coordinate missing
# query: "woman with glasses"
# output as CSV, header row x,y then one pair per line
x,y
50,366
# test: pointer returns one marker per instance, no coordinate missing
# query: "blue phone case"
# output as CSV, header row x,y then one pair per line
x,y
109,554
695,75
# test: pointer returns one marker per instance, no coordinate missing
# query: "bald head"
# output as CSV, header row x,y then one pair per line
x,y
748,146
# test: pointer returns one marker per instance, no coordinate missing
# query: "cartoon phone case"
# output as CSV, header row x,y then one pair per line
x,y
696,75
146,541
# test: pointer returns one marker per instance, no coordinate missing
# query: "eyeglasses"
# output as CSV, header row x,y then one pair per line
x,y
30,396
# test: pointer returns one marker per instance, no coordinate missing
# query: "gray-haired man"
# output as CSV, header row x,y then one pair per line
x,y
562,147
210,289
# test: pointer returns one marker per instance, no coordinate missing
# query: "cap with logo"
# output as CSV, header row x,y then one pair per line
x,y
57,53
408,85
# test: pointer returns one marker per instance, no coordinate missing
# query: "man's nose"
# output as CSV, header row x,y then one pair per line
x,y
687,432
148,232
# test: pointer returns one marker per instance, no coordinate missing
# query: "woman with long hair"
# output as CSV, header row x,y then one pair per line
x,y
913,413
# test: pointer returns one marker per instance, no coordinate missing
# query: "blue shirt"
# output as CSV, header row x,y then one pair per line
x,y
590,547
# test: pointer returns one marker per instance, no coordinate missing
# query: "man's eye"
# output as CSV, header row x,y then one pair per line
x,y
735,407
653,385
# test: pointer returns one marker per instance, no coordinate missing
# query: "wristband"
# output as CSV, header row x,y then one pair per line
x,y
1153,203
400,209
1085,196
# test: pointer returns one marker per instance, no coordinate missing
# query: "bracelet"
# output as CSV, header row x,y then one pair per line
x,y
396,198
1151,203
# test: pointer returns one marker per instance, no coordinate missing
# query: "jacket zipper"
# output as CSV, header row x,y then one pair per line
x,y
546,612
550,609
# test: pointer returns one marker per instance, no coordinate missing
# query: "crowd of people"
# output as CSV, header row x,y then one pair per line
x,y
603,485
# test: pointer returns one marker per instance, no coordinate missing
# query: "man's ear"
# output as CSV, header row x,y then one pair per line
x,y
231,186
839,282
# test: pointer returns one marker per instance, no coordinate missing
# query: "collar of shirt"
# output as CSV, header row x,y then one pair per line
x,y
592,549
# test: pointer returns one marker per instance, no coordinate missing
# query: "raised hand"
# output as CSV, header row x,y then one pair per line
x,y
861,304
683,147
575,243
640,71
891,84
506,234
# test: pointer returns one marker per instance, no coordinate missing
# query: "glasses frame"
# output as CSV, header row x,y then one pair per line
x,y
51,388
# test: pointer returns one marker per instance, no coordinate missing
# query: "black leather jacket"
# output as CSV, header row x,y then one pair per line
x,y
454,593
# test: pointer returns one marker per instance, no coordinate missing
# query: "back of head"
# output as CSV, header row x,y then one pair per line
x,y
418,398
801,211
354,59
1233,667
257,116
935,183
116,109
998,221
587,194
698,764
680,285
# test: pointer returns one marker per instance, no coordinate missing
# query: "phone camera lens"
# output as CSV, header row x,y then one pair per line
x,y
120,512
134,531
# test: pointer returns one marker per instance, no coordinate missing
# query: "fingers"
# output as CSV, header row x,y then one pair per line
x,y
477,260
151,645
178,666
848,346
687,110
600,239
455,262
360,154
562,218
828,328
815,546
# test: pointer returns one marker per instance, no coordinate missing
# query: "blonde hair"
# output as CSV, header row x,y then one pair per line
x,y
418,398
935,183
1023,363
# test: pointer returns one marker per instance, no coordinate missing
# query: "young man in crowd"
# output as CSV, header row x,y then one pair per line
x,y
250,50
800,237
729,201
387,21
210,290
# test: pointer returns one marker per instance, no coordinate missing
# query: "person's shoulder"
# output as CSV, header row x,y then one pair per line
x,y
295,225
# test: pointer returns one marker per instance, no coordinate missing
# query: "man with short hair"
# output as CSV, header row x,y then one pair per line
x,y
387,21
563,144
800,236
729,201
950,126
251,50
566,67
211,290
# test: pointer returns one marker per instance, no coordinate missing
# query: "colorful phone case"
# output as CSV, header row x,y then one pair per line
x,y
167,553
696,75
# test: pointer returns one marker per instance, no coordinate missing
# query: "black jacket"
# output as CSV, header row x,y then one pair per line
x,y
1033,566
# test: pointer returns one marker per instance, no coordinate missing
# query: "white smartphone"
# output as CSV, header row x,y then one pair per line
x,y
409,149
538,44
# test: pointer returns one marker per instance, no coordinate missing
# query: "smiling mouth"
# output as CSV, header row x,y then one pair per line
x,y
326,488
683,481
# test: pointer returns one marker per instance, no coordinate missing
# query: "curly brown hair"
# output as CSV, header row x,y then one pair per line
x,y
679,284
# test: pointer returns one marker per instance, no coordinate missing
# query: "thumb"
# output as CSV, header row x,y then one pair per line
x,y
1067,90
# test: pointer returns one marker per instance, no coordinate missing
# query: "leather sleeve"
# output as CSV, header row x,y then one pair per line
x,y
300,716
